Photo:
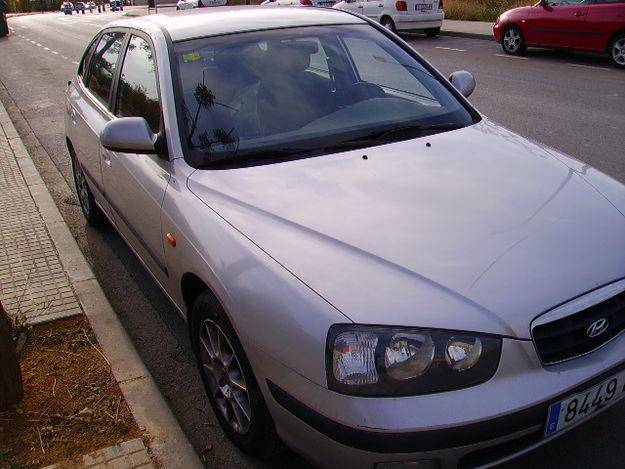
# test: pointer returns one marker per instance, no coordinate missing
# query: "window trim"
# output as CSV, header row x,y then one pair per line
x,y
113,104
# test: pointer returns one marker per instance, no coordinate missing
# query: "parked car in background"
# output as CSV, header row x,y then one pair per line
x,y
67,8
189,4
116,5
371,270
400,15
305,3
186,4
79,7
585,25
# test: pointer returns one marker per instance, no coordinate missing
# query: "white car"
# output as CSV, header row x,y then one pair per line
x,y
189,4
400,15
306,3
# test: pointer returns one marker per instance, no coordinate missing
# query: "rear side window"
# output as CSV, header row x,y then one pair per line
x,y
137,93
102,65
609,1
84,63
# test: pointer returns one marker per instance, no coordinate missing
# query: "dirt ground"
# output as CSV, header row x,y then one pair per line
x,y
72,404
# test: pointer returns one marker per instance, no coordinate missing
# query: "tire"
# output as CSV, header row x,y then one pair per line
x,y
388,23
256,436
513,41
432,32
11,390
616,51
93,214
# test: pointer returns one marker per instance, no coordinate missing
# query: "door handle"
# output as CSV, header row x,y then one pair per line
x,y
72,114
579,13
106,157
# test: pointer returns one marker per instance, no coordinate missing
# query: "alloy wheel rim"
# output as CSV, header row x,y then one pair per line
x,y
618,51
83,189
225,377
512,40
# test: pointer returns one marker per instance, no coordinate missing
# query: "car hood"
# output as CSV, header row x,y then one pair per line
x,y
476,229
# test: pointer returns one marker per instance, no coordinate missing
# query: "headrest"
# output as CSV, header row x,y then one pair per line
x,y
288,57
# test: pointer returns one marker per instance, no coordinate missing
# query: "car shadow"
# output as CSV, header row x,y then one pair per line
x,y
569,56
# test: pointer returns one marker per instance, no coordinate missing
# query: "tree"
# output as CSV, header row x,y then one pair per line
x,y
11,390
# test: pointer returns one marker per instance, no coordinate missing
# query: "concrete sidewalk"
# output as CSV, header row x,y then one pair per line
x,y
44,276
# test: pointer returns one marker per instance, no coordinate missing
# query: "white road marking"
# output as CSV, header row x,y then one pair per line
x,y
55,52
592,67
63,57
451,48
33,42
39,45
74,62
46,48
506,56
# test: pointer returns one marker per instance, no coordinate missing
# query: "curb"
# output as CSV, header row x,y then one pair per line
x,y
484,37
168,444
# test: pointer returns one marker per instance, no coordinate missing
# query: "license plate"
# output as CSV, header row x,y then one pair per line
x,y
579,406
423,6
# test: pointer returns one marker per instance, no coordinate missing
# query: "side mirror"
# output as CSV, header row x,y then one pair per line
x,y
128,135
463,81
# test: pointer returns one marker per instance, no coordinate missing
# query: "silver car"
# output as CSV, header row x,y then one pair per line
x,y
372,271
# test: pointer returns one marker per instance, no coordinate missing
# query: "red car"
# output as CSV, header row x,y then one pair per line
x,y
587,25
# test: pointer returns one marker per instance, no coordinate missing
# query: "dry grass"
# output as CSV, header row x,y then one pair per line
x,y
480,10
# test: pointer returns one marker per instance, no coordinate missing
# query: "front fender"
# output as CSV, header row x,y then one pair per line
x,y
268,306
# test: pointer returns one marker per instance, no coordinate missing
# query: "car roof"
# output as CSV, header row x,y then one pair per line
x,y
189,24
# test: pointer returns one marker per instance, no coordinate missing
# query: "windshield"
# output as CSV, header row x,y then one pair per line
x,y
261,97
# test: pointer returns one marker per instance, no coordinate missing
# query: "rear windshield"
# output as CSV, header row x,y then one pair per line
x,y
268,96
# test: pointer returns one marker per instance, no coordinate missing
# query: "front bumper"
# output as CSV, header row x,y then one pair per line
x,y
497,30
418,22
476,426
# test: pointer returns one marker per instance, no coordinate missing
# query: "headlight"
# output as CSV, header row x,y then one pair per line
x,y
394,361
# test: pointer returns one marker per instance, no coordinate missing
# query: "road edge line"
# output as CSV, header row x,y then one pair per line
x,y
167,442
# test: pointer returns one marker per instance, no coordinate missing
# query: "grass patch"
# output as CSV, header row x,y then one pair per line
x,y
479,10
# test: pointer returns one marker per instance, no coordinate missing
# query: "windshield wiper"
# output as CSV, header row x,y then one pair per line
x,y
269,155
411,130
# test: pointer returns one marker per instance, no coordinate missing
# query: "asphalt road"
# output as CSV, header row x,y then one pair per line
x,y
573,102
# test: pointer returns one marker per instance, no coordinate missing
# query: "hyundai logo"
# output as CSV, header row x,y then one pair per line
x,y
597,328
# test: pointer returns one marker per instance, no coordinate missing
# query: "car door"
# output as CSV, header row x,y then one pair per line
x,y
135,184
88,103
605,17
558,23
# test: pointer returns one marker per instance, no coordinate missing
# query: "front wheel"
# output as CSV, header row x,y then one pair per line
x,y
513,41
432,32
388,23
617,51
229,381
